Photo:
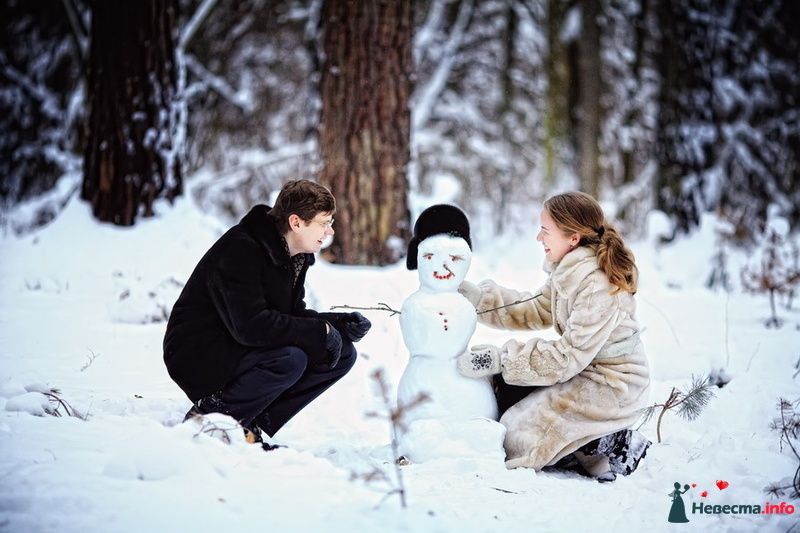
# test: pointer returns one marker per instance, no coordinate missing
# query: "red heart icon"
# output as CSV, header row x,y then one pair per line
x,y
704,493
694,485
722,485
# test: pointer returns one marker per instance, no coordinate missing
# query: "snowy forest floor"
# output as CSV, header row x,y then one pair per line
x,y
74,294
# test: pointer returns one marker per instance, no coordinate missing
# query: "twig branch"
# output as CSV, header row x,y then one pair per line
x,y
384,307
381,307
750,361
212,428
91,357
53,396
504,490
394,415
512,303
727,337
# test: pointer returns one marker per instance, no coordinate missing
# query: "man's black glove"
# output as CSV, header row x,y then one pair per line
x,y
333,346
353,326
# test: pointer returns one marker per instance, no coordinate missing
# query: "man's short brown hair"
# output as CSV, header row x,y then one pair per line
x,y
303,198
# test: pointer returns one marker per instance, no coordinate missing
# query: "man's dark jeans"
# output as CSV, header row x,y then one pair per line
x,y
271,386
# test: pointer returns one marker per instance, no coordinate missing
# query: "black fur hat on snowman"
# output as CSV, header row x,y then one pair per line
x,y
436,220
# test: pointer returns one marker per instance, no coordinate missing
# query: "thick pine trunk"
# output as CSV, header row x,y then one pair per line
x,y
589,87
364,127
556,117
131,155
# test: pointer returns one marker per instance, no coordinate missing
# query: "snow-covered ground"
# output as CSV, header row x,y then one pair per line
x,y
73,297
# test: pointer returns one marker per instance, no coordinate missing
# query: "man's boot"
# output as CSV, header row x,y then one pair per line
x,y
252,434
208,404
258,426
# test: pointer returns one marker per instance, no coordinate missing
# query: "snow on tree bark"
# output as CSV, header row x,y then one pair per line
x,y
133,153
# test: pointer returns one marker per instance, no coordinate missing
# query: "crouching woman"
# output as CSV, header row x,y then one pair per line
x,y
572,398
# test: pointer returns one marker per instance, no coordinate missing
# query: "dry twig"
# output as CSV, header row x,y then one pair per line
x,y
394,414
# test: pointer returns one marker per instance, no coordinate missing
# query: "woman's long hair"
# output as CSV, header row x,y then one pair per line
x,y
577,212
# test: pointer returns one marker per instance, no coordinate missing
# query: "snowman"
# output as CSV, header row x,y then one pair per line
x,y
437,322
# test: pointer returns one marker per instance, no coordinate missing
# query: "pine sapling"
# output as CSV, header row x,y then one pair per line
x,y
395,415
719,278
689,403
772,273
788,425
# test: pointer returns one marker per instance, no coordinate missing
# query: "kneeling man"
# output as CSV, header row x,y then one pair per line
x,y
240,340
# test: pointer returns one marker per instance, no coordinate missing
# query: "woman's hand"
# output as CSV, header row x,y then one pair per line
x,y
471,292
480,361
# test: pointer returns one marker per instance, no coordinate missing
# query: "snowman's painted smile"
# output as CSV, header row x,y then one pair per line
x,y
449,274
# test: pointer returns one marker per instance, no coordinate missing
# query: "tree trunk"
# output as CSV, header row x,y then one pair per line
x,y
364,127
132,155
557,69
504,179
589,87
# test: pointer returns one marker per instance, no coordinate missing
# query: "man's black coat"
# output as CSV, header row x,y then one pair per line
x,y
239,297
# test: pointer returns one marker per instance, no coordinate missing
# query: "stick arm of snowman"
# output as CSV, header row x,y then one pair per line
x,y
383,307
517,302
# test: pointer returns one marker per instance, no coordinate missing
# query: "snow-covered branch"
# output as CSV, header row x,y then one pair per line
x,y
194,23
30,214
234,175
424,36
49,102
79,32
240,98
425,99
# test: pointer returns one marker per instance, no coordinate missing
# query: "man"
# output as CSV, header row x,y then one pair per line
x,y
240,340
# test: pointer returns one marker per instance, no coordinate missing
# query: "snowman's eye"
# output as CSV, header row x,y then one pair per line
x,y
427,256
455,258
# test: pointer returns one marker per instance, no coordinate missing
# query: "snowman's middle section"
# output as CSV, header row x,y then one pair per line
x,y
437,328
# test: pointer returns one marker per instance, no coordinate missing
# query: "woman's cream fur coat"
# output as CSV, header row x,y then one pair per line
x,y
593,379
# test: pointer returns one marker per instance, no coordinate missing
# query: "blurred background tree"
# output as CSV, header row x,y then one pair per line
x,y
134,132
364,126
688,106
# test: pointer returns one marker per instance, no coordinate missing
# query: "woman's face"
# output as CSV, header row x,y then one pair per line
x,y
556,243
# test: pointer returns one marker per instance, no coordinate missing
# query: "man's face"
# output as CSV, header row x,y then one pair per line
x,y
309,236
443,262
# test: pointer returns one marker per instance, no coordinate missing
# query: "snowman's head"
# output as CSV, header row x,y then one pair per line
x,y
443,262
440,219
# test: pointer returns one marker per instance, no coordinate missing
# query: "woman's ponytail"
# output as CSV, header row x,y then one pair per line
x,y
616,260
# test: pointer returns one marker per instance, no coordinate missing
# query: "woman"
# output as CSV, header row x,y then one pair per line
x,y
592,381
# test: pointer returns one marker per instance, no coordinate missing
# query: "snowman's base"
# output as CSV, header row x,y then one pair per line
x,y
428,439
